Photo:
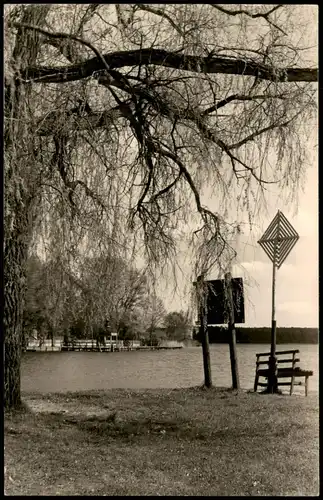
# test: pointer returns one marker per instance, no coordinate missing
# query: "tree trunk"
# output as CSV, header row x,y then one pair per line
x,y
20,191
14,264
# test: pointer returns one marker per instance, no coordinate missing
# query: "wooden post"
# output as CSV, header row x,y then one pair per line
x,y
202,300
232,333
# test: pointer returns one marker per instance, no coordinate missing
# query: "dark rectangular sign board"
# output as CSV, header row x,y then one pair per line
x,y
216,310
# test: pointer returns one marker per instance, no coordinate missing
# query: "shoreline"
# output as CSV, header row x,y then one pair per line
x,y
149,348
102,349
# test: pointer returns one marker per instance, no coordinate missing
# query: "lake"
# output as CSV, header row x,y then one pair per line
x,y
81,371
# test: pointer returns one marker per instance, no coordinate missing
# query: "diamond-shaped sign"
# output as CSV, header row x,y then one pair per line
x,y
278,239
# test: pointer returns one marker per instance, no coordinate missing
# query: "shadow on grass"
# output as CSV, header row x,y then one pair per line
x,y
110,428
195,414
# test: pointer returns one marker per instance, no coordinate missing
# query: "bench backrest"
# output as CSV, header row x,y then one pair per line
x,y
286,357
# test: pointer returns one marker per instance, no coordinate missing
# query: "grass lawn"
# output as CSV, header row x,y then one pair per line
x,y
163,442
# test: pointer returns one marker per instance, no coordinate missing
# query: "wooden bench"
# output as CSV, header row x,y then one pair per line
x,y
292,371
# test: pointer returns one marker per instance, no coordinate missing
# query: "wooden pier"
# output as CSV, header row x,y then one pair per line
x,y
89,346
114,348
83,346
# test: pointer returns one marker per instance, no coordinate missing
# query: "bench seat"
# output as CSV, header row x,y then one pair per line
x,y
287,372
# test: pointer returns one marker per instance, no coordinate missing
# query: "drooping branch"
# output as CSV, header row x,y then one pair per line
x,y
244,11
126,110
238,97
272,126
166,189
90,10
264,15
67,121
185,173
61,159
158,57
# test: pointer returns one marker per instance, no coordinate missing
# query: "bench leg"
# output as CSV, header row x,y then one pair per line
x,y
256,383
291,386
306,386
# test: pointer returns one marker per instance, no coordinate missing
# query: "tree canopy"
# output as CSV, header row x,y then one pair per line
x,y
119,117
190,93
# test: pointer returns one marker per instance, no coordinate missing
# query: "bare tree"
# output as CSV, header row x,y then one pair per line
x,y
126,112
178,325
112,289
153,314
48,298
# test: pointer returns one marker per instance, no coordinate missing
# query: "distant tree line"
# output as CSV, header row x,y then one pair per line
x,y
262,335
104,294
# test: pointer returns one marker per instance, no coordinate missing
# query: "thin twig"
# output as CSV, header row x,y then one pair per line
x,y
265,15
161,13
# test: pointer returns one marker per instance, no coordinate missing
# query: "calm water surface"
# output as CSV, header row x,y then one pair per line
x,y
81,371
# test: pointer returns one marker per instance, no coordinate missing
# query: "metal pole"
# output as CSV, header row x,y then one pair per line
x,y
272,379
273,321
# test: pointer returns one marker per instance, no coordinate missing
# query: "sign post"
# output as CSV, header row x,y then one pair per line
x,y
220,301
232,332
277,241
204,333
272,379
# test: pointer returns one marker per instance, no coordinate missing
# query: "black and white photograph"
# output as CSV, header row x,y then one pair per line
x,y
160,253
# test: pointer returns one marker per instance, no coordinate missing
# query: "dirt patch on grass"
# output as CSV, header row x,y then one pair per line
x,y
163,442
